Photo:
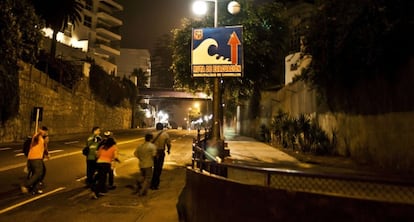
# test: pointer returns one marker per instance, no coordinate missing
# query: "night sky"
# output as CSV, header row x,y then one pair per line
x,y
146,20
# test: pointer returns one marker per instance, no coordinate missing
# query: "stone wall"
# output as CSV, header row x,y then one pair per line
x,y
64,111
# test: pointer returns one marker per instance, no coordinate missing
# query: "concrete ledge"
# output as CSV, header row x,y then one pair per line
x,y
208,198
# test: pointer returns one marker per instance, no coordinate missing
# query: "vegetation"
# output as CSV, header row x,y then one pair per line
x,y
110,89
264,32
57,15
361,54
20,37
302,134
142,77
59,70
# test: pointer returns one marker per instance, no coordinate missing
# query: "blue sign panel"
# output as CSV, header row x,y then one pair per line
x,y
217,52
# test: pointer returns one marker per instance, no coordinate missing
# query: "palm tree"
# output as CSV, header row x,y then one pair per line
x,y
57,15
141,76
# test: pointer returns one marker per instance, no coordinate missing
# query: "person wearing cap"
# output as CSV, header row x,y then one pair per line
x,y
92,143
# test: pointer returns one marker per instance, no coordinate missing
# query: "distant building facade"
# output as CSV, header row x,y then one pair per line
x,y
131,59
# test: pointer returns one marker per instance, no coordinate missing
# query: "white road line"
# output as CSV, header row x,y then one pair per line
x,y
80,179
130,141
55,151
30,200
5,148
57,157
71,142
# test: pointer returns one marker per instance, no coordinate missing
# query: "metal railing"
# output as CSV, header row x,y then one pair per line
x,y
368,187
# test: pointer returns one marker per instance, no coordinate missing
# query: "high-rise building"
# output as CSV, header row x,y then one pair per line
x,y
96,36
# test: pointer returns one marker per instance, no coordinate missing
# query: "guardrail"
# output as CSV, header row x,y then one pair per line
x,y
368,187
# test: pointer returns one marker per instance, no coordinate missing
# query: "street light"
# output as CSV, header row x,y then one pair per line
x,y
200,7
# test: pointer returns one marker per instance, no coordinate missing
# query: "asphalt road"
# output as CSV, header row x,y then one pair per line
x,y
65,197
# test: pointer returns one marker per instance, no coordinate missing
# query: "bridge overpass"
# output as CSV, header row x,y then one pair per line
x,y
160,93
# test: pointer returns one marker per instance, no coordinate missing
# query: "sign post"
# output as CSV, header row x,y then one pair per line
x,y
217,52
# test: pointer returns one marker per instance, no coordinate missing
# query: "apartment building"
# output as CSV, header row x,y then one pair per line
x,y
97,36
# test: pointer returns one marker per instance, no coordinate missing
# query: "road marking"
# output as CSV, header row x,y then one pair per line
x,y
80,179
130,141
57,157
52,151
71,142
30,200
5,148
55,151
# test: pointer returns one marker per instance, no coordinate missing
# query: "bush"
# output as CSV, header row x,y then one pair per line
x,y
110,89
301,132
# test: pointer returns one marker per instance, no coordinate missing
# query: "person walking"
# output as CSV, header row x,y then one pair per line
x,y
105,155
111,176
145,154
35,163
161,141
92,144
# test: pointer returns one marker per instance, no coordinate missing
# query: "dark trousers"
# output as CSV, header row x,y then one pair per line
x,y
90,172
36,167
111,177
103,171
158,163
30,173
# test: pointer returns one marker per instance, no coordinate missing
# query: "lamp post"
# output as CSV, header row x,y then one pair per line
x,y
200,8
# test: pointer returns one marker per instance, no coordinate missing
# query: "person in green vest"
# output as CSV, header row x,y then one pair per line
x,y
92,144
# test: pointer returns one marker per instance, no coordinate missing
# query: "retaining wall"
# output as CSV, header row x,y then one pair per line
x,y
65,111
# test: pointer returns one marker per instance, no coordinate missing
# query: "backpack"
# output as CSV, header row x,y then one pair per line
x,y
26,146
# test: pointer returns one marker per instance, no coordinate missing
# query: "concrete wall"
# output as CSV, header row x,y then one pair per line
x,y
385,140
64,111
208,198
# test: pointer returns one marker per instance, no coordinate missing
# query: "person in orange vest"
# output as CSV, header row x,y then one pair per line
x,y
38,151
105,155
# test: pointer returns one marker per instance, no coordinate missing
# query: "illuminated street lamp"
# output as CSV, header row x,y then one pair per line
x,y
200,7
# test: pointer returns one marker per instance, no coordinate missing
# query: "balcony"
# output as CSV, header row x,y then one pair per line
x,y
107,34
110,3
109,19
105,49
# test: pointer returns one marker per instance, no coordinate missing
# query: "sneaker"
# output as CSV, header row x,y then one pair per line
x,y
111,187
24,189
34,192
94,196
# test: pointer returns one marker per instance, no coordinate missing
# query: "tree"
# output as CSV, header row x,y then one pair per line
x,y
20,38
57,15
264,37
142,77
358,48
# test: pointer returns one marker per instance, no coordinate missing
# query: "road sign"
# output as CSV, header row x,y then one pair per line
x,y
217,52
